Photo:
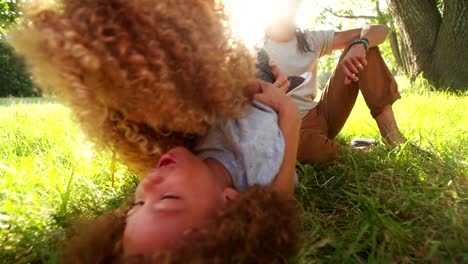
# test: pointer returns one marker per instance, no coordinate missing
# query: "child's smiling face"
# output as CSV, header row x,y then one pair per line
x,y
180,194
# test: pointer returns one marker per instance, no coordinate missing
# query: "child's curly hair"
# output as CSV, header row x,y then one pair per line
x,y
261,226
141,76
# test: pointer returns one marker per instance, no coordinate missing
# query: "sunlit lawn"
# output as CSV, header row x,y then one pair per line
x,y
405,205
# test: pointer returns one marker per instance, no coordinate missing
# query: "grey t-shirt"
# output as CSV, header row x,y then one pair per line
x,y
293,62
250,148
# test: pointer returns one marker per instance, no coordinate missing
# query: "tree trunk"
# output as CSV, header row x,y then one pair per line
x,y
419,22
392,36
435,44
405,59
450,58
393,39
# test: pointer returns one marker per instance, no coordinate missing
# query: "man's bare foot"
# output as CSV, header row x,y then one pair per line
x,y
394,139
388,127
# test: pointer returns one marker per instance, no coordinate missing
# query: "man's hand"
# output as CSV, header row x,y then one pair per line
x,y
282,81
354,62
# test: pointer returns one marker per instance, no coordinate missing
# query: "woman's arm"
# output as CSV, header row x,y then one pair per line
x,y
376,34
289,121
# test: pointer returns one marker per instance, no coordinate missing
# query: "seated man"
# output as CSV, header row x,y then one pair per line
x,y
361,68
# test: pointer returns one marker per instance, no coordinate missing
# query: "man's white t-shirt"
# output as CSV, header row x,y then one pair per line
x,y
294,62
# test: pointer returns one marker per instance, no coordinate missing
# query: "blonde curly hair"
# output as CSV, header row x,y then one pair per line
x,y
141,76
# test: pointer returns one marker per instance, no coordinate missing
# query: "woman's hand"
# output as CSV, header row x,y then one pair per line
x,y
282,81
354,62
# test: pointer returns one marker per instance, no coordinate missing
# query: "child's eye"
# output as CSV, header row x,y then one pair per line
x,y
170,197
138,203
134,205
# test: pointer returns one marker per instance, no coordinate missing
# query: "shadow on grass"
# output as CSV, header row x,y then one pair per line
x,y
386,206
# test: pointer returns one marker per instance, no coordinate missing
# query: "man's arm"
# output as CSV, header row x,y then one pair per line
x,y
355,60
376,34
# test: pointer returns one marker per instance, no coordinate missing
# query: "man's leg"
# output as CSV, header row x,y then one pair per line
x,y
321,126
314,144
380,91
323,123
337,101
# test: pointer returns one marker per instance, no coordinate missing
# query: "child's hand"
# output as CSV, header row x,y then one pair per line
x,y
273,97
282,81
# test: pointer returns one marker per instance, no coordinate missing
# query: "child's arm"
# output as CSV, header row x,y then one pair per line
x,y
289,121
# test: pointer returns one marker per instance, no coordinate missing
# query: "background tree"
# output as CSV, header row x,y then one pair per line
x,y
435,33
9,14
14,78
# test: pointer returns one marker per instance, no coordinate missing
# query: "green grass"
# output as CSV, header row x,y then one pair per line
x,y
48,175
403,205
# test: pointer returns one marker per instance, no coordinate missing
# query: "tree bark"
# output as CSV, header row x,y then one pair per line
x,y
393,39
419,22
436,44
405,59
450,58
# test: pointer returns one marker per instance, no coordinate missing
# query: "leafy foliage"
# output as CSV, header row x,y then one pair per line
x,y
9,13
14,78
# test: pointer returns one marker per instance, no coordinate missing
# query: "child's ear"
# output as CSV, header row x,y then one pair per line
x,y
229,194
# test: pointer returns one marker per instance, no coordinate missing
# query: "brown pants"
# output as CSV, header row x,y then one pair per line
x,y
322,124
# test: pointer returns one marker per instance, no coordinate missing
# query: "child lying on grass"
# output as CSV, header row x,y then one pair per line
x,y
146,77
203,206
